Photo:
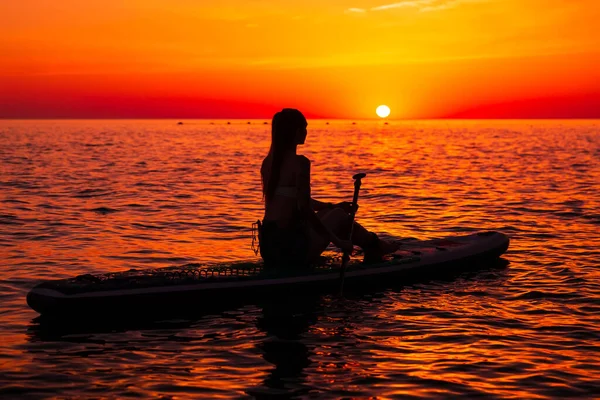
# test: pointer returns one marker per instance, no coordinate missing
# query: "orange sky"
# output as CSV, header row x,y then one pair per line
x,y
333,59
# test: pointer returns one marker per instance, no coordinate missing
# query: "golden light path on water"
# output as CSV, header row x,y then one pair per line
x,y
98,196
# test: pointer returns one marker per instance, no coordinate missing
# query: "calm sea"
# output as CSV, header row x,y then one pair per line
x,y
96,196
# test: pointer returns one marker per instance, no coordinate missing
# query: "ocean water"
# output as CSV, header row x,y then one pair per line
x,y
97,196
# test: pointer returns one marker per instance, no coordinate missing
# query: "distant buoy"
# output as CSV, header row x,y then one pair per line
x,y
180,123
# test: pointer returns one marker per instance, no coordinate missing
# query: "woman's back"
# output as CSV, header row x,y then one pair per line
x,y
282,206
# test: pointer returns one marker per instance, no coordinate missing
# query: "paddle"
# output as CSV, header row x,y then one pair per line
x,y
346,257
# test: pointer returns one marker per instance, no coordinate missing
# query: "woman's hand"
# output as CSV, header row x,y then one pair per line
x,y
347,206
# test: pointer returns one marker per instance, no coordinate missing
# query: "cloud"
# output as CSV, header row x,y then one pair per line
x,y
447,5
421,5
355,10
404,4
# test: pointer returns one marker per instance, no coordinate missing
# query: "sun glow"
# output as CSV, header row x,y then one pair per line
x,y
383,111
233,59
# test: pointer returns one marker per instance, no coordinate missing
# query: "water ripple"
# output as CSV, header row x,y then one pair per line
x,y
97,196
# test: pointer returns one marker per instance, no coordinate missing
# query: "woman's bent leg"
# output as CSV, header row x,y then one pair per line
x,y
338,221
317,241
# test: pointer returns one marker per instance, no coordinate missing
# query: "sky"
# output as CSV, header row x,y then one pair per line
x,y
330,59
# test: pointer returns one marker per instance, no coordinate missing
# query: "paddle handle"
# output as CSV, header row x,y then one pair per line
x,y
346,256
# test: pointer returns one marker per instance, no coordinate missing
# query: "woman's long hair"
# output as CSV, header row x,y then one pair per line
x,y
283,133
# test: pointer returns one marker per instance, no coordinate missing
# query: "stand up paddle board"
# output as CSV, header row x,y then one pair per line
x,y
158,290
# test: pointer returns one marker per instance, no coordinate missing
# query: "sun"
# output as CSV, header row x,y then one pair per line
x,y
383,111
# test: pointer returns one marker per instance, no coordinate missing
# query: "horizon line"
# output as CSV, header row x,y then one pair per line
x,y
315,118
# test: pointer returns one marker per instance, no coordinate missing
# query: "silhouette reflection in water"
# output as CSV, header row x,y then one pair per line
x,y
285,323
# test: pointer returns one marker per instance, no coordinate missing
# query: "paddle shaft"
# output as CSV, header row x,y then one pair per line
x,y
346,257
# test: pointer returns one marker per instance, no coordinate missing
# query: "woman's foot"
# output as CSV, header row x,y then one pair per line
x,y
377,249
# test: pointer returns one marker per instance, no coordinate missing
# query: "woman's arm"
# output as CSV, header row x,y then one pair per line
x,y
305,206
344,205
320,205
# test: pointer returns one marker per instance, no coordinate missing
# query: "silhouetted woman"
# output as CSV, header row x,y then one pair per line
x,y
296,228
